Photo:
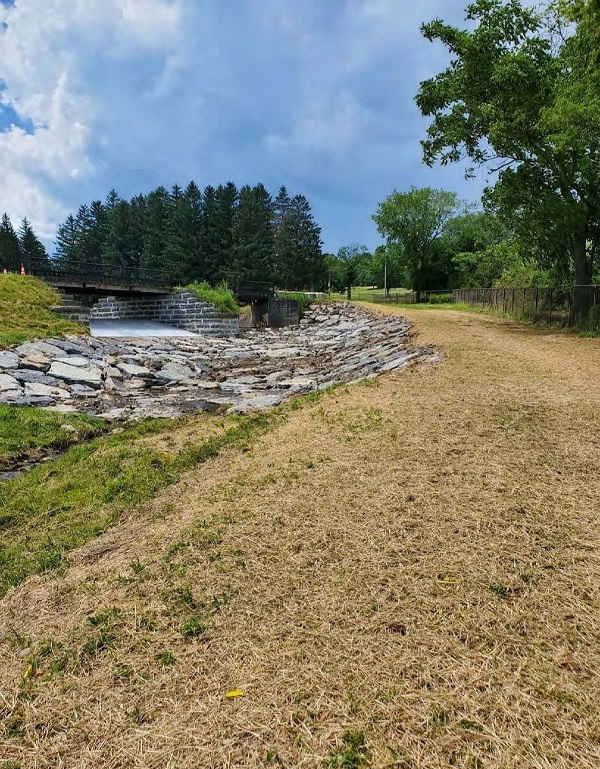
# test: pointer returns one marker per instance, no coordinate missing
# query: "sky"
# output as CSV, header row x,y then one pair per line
x,y
317,95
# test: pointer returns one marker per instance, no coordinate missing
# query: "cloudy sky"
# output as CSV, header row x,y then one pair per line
x,y
314,94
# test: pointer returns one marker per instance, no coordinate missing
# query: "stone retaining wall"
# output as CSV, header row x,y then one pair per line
x,y
283,312
182,309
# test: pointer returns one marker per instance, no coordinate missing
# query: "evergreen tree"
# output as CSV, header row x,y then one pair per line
x,y
33,253
308,268
157,213
226,200
210,234
67,242
194,265
10,250
95,237
119,247
253,237
284,247
175,252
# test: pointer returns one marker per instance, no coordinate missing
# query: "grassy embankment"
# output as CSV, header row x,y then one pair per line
x,y
25,314
25,311
400,574
64,503
221,296
24,430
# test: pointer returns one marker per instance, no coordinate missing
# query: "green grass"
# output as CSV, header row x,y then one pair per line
x,y
63,504
353,755
25,311
221,296
23,428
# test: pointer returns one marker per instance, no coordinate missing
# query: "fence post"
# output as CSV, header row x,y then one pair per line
x,y
551,303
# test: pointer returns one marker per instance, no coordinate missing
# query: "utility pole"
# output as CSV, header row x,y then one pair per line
x,y
385,274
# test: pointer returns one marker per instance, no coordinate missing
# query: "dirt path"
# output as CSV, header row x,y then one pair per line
x,y
414,559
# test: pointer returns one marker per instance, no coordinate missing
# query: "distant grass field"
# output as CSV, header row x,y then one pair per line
x,y
25,311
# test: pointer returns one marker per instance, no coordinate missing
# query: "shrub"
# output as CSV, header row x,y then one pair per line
x,y
440,298
221,296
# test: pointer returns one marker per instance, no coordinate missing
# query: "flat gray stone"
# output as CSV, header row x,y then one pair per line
x,y
37,362
34,349
8,382
133,370
91,375
33,389
75,360
70,347
174,372
8,360
28,375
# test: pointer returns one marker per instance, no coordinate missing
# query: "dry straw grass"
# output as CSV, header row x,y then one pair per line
x,y
415,559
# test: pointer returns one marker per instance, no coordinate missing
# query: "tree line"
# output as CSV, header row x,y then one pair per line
x,y
521,96
218,234
19,247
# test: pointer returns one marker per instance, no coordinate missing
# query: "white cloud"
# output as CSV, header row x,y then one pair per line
x,y
136,93
45,52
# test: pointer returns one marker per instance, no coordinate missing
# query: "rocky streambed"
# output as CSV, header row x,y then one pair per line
x,y
131,379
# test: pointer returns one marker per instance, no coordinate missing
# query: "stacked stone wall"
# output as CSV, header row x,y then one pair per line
x,y
182,309
283,312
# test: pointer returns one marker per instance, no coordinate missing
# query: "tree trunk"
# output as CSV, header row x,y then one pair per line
x,y
582,294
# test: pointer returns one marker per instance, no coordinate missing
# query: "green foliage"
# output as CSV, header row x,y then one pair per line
x,y
193,627
527,100
441,298
25,311
298,259
221,296
415,220
353,755
23,428
219,234
483,268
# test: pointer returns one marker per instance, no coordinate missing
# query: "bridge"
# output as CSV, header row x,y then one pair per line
x,y
99,278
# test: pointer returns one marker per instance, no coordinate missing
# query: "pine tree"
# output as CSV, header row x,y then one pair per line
x,y
284,257
281,206
210,235
155,238
10,250
253,240
226,200
95,238
309,268
33,253
194,264
67,242
175,252
119,248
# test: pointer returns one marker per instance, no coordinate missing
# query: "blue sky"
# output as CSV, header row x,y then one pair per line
x,y
317,95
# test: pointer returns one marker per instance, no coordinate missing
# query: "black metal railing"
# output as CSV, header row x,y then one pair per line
x,y
100,273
